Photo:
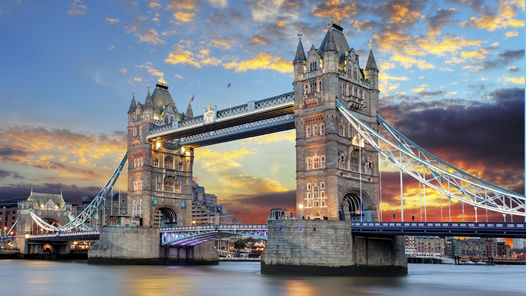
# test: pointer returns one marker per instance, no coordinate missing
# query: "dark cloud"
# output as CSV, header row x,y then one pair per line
x,y
256,208
503,59
429,94
440,19
488,136
72,193
6,174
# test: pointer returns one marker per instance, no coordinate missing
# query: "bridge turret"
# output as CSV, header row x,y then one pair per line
x,y
330,54
371,69
371,75
299,61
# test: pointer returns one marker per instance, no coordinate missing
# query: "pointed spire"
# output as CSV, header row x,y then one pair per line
x,y
331,44
148,102
189,112
133,105
371,62
300,53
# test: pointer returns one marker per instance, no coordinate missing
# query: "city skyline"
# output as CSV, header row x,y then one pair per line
x,y
451,76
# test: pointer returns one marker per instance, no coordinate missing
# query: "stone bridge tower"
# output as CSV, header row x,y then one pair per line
x,y
159,174
337,171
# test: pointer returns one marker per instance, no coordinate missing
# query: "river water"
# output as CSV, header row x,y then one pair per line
x,y
28,277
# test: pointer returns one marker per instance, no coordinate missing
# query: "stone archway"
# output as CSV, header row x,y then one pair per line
x,y
165,217
352,207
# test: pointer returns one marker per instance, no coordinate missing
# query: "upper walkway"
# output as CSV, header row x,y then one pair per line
x,y
254,118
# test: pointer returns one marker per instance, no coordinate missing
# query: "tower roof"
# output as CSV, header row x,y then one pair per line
x,y
133,105
300,53
148,102
161,98
336,33
189,112
331,44
371,62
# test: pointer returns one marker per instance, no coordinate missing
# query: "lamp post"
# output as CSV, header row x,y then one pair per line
x,y
300,211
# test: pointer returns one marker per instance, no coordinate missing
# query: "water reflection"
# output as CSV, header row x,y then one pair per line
x,y
23,277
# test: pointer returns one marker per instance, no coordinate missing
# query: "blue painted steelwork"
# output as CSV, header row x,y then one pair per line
x,y
86,235
251,129
469,229
194,235
435,173
90,210
250,112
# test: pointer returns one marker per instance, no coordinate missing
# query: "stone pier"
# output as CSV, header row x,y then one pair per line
x,y
141,245
321,247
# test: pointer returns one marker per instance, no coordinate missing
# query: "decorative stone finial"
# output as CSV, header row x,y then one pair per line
x,y
371,44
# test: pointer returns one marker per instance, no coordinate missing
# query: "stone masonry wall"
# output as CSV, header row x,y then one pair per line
x,y
126,243
309,242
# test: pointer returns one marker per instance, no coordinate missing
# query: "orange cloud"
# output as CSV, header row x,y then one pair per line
x,y
111,21
261,61
182,4
184,17
222,43
335,8
402,14
503,19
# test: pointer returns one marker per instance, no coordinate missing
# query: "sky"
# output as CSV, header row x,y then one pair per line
x,y
451,79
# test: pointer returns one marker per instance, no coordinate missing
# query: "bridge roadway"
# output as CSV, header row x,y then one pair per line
x,y
192,235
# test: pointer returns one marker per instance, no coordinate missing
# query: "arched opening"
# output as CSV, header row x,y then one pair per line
x,y
351,208
168,162
47,248
165,217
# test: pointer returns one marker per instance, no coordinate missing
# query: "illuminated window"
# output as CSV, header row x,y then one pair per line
x,y
307,131
315,130
137,185
309,163
156,162
322,185
316,163
322,129
308,187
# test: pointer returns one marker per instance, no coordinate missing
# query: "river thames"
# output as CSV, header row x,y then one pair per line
x,y
27,277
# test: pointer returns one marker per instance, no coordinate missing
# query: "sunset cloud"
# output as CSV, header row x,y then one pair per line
x,y
503,19
261,61
111,21
184,17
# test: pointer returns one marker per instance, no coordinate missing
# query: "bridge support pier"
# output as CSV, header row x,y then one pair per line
x,y
318,247
141,245
202,254
126,245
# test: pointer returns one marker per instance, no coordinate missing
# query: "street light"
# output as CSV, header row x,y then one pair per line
x,y
300,212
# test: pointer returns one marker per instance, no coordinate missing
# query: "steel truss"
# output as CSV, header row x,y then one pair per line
x,y
192,235
231,131
436,173
89,211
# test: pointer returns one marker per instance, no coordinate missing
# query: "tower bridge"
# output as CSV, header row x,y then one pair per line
x,y
338,226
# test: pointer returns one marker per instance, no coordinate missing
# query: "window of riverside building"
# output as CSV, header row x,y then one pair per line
x,y
307,131
315,130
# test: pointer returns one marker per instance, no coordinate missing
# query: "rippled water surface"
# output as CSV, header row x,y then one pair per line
x,y
27,277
